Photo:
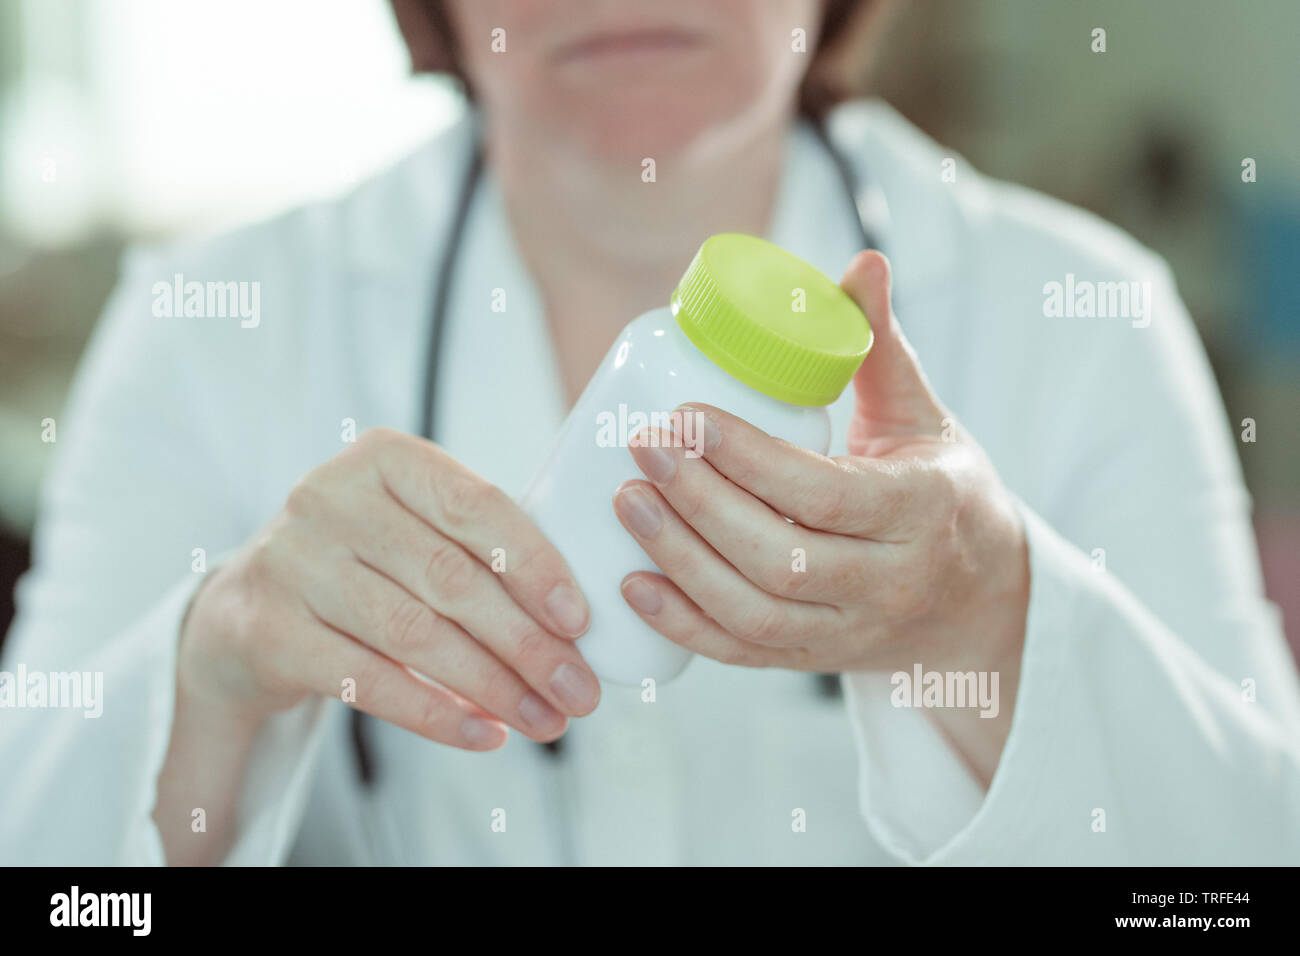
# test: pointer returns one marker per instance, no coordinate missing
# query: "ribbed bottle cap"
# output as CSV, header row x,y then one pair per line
x,y
771,320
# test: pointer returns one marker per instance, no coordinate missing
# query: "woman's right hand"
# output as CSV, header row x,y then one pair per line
x,y
381,560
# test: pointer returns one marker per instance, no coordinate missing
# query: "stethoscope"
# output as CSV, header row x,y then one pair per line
x,y
868,207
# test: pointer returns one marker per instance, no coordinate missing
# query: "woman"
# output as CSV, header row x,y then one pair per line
x,y
1052,505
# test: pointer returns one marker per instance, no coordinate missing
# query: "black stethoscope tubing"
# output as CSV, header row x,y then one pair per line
x,y
442,288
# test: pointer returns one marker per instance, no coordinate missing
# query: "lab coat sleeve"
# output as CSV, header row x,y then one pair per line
x,y
1157,719
137,486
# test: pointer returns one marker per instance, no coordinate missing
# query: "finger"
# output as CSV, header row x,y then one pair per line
x,y
741,607
862,497
444,576
388,691
486,522
785,559
372,609
666,608
891,390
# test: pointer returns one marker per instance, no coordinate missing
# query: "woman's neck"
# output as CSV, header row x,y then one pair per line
x,y
603,244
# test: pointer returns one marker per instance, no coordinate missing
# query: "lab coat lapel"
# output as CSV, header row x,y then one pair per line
x,y
396,228
499,401
497,398
813,217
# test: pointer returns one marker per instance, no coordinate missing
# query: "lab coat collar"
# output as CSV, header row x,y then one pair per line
x,y
899,170
397,221
813,216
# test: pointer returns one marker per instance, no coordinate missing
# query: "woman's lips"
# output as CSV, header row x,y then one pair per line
x,y
628,43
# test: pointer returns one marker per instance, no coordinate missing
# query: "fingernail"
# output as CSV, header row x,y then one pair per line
x,y
702,429
577,689
539,715
657,462
639,512
642,596
481,732
567,609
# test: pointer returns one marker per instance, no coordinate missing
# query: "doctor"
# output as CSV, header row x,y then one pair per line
x,y
247,536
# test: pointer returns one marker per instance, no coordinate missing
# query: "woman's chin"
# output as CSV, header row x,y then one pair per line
x,y
638,126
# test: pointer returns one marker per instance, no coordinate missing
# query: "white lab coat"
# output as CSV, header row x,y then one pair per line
x,y
1135,737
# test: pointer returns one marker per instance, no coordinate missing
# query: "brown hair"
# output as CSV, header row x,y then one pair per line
x,y
832,76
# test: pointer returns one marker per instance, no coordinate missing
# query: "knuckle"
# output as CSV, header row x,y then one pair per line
x,y
376,450
772,577
782,579
737,655
377,438
269,561
372,683
796,658
306,497
500,687
450,570
245,615
464,498
531,648
533,563
746,471
746,654
762,626
409,626
847,578
942,487
260,633
371,444
432,712
689,504
826,508
260,560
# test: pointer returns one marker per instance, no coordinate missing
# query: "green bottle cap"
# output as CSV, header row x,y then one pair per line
x,y
771,320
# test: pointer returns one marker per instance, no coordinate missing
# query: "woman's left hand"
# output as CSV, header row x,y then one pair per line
x,y
907,550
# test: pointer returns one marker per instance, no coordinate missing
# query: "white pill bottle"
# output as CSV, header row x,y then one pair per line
x,y
751,329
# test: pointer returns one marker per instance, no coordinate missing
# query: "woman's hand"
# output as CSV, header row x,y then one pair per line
x,y
381,560
908,550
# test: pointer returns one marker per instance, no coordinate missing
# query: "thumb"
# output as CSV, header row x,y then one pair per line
x,y
892,392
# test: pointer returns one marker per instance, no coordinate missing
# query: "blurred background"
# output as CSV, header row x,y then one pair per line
x,y
126,120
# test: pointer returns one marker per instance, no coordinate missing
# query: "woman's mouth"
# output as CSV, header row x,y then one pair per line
x,y
623,44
